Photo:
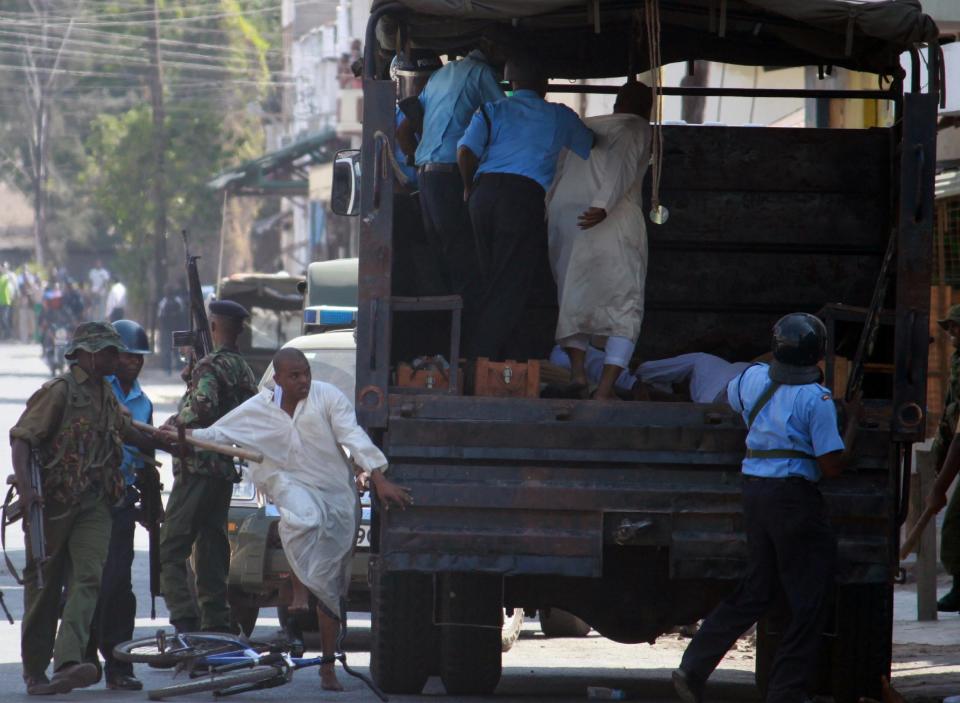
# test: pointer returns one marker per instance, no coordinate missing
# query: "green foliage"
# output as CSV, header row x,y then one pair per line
x,y
218,56
119,180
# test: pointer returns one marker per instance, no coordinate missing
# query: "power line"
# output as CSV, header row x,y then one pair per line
x,y
169,20
37,32
96,49
124,60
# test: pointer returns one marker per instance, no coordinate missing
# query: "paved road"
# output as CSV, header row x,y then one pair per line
x,y
537,669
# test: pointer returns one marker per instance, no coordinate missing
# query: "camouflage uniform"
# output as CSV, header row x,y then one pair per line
x,y
75,427
196,514
950,532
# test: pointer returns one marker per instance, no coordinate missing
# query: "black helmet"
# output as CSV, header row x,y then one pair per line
x,y
417,62
799,340
133,335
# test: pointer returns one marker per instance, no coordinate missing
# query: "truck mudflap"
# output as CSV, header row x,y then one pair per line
x,y
547,492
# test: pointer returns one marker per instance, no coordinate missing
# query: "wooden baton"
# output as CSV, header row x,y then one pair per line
x,y
948,472
203,444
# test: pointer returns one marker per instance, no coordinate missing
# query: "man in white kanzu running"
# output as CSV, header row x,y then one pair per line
x,y
302,426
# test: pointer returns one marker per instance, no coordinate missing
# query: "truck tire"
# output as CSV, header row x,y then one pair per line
x,y
470,655
512,625
862,649
559,623
403,637
245,617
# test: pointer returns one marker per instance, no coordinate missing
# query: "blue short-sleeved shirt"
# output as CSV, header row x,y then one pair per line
x,y
409,172
449,100
141,409
801,418
525,136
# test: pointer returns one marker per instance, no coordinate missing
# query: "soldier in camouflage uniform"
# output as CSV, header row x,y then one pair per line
x,y
76,429
196,514
950,533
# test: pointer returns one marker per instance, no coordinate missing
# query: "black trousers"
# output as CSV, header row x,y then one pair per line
x,y
447,228
417,272
113,620
514,314
791,547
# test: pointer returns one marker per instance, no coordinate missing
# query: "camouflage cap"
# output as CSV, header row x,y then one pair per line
x,y
953,315
93,337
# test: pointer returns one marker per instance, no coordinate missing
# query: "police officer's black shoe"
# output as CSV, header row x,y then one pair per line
x,y
689,690
124,682
950,603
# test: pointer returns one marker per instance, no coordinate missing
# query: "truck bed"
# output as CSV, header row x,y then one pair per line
x,y
539,487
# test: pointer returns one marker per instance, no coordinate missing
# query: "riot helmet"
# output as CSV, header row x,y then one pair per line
x,y
133,336
412,69
799,341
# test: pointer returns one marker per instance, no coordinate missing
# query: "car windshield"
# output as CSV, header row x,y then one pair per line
x,y
335,366
271,329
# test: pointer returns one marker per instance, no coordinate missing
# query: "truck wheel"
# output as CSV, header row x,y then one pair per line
x,y
470,655
559,623
245,617
862,649
512,624
402,645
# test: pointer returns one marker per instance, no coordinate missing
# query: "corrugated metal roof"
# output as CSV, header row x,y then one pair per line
x,y
947,184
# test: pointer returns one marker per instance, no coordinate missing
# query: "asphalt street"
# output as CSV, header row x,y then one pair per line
x,y
536,669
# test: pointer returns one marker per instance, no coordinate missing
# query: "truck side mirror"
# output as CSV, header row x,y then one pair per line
x,y
345,192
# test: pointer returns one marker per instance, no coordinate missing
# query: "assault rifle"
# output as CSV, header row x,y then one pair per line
x,y
13,511
151,515
198,337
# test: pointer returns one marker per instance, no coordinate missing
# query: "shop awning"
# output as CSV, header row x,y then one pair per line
x,y
280,172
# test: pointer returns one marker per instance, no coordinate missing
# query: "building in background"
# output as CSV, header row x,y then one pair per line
x,y
321,40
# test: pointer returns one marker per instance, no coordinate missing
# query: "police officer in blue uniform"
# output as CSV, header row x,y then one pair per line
x,y
792,441
507,157
440,115
114,618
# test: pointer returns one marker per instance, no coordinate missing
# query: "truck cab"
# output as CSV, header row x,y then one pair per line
x,y
627,514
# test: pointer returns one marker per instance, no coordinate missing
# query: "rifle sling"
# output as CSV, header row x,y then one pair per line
x,y
770,453
7,502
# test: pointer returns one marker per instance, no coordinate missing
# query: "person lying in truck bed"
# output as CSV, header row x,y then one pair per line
x,y
706,375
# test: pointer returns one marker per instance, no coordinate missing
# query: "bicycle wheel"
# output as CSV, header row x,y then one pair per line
x,y
176,648
215,682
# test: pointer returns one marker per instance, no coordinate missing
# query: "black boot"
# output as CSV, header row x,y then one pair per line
x,y
950,603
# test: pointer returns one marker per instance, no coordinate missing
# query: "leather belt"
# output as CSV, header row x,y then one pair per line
x,y
438,168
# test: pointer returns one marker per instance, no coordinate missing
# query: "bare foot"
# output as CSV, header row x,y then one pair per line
x,y
328,678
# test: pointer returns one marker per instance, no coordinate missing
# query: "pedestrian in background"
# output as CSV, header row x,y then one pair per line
x,y
98,277
170,315
8,297
29,300
116,301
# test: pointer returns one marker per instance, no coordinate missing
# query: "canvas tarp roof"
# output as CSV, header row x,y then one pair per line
x,y
866,35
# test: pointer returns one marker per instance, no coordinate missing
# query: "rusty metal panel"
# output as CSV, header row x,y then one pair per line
x,y
918,155
376,232
762,222
534,516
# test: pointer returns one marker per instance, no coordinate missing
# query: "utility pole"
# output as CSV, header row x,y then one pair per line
x,y
158,184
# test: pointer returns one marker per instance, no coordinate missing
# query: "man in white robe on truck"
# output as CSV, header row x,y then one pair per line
x,y
301,427
598,238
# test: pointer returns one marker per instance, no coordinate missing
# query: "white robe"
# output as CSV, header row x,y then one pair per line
x,y
600,272
306,475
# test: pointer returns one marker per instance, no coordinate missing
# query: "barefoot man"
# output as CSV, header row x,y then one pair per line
x,y
302,427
